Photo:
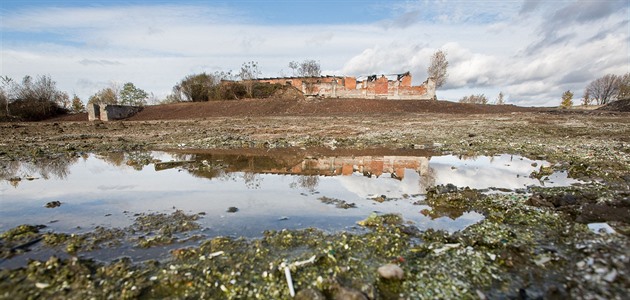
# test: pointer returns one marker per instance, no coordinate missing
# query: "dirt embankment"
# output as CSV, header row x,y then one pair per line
x,y
620,106
530,247
310,107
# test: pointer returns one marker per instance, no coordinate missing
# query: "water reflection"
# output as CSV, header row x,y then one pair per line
x,y
271,190
40,168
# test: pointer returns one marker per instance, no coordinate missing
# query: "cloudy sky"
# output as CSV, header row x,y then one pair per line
x,y
531,50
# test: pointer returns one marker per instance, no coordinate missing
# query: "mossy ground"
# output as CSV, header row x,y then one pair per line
x,y
532,245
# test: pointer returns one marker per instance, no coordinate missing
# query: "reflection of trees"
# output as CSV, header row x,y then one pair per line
x,y
136,160
444,211
57,168
114,158
46,168
467,157
8,169
309,182
252,180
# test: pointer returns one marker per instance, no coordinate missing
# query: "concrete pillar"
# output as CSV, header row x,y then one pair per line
x,y
94,112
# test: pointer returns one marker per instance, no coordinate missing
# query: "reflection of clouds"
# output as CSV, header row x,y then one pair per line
x,y
115,187
504,171
448,224
97,187
383,185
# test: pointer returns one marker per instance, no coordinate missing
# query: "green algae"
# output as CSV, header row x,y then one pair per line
x,y
492,257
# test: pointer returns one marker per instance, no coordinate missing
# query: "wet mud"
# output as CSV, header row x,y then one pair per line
x,y
534,242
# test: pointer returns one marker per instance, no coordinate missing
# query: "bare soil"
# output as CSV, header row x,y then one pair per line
x,y
310,107
531,245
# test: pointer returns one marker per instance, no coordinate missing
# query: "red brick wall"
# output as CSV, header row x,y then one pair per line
x,y
380,86
350,83
406,80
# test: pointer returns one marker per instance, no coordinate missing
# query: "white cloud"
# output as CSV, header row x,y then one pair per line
x,y
491,46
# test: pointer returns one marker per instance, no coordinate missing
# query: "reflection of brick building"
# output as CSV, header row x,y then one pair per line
x,y
369,165
397,86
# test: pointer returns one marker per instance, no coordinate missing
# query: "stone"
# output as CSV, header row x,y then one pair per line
x,y
309,294
391,271
344,293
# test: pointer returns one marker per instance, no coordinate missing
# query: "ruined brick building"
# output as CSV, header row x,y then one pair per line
x,y
395,87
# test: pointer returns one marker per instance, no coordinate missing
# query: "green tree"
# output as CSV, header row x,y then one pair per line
x,y
567,99
197,87
104,97
77,105
438,68
131,95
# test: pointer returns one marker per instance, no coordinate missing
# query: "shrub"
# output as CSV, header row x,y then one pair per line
x,y
34,100
265,90
474,99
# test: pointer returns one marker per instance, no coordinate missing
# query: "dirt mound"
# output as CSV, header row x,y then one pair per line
x,y
287,103
619,105
288,93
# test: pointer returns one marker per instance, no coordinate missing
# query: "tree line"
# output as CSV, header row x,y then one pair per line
x,y
38,98
601,91
34,99
222,85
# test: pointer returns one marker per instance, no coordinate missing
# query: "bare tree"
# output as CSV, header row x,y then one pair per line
x,y
306,68
624,87
500,99
438,68
310,69
249,72
604,89
5,92
586,99
36,99
294,65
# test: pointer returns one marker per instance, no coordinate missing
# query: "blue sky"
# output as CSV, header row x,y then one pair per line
x,y
530,50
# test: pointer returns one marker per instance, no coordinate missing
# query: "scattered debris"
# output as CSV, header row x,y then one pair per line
x,y
52,204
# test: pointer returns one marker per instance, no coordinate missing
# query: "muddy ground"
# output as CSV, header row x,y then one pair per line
x,y
532,244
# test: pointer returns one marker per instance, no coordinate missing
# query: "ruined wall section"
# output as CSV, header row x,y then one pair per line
x,y
111,112
370,87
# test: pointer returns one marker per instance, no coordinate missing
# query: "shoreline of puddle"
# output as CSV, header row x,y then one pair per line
x,y
265,191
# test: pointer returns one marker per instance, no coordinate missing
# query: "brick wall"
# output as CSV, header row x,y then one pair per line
x,y
348,87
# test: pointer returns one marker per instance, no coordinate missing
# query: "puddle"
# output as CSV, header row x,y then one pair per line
x,y
601,228
269,190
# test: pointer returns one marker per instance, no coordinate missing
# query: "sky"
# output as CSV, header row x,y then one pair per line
x,y
531,51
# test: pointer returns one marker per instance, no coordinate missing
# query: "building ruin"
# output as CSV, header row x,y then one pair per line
x,y
393,86
106,112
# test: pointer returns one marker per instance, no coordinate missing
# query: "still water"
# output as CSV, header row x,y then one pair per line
x,y
268,190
